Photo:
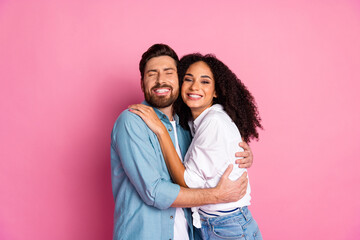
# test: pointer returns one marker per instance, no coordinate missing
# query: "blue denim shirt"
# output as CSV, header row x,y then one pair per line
x,y
141,185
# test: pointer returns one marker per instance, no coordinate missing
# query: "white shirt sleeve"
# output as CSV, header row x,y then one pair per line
x,y
208,156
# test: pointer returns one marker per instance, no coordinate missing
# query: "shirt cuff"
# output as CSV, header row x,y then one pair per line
x,y
166,193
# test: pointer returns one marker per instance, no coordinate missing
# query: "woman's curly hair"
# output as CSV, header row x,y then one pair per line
x,y
232,94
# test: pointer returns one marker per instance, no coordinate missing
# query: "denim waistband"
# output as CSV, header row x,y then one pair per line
x,y
218,213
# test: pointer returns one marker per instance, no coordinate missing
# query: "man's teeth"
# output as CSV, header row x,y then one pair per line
x,y
194,96
161,90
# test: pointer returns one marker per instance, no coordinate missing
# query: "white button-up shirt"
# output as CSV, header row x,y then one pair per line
x,y
215,142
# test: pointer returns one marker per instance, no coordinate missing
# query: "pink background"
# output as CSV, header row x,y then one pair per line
x,y
68,68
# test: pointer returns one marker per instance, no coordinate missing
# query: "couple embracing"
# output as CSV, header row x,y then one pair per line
x,y
179,149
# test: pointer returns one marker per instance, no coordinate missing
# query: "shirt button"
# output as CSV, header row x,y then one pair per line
x,y
170,129
171,217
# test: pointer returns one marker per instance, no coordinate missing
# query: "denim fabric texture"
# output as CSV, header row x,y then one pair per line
x,y
239,225
142,187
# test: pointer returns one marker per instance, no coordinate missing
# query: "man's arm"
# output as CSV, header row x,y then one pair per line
x,y
225,191
131,141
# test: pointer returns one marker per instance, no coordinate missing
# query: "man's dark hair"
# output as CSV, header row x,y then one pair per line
x,y
231,93
156,50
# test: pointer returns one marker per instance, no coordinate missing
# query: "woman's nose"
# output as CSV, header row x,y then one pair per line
x,y
194,85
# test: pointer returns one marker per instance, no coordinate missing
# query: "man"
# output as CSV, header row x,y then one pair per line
x,y
147,204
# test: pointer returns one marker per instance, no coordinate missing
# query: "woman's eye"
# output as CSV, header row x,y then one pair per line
x,y
205,82
187,80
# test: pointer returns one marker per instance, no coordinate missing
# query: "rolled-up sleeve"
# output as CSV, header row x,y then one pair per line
x,y
140,161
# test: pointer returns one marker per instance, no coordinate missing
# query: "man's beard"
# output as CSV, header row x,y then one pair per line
x,y
161,101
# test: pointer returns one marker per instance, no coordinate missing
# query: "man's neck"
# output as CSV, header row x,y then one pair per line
x,y
168,111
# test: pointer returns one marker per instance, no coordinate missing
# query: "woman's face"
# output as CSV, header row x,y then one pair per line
x,y
198,88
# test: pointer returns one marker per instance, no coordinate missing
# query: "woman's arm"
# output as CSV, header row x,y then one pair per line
x,y
172,160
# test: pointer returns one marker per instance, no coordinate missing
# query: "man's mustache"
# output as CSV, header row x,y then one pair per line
x,y
161,86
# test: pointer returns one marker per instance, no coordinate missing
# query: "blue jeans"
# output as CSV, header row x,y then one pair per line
x,y
238,225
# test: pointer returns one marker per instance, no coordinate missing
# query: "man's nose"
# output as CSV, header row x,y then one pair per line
x,y
161,78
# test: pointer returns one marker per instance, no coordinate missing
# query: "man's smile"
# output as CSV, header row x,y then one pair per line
x,y
161,91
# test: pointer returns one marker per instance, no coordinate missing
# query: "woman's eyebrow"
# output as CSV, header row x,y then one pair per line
x,y
205,76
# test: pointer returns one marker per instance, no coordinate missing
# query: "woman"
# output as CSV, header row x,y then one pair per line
x,y
219,111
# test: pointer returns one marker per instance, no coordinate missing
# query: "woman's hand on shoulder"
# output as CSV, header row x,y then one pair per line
x,y
149,116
